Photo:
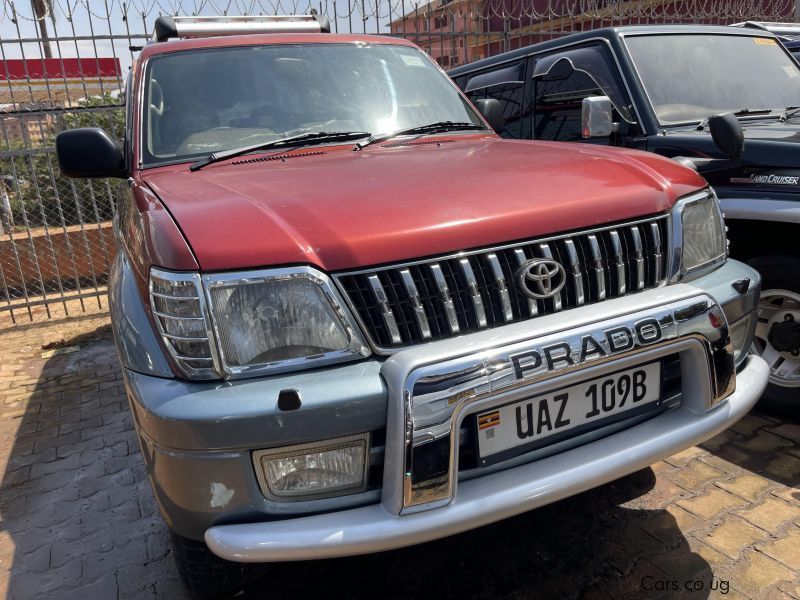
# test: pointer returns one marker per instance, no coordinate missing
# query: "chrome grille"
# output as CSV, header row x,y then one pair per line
x,y
403,305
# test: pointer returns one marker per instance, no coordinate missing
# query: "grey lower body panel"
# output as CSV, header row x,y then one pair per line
x,y
488,499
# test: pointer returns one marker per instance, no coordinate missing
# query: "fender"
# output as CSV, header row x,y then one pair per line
x,y
756,209
138,348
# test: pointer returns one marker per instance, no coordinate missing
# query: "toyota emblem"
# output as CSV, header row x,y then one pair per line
x,y
541,278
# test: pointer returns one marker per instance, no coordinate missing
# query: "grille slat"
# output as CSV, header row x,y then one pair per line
x,y
638,256
416,304
400,306
447,301
386,312
619,263
654,230
547,253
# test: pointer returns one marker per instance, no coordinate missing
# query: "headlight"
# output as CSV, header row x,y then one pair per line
x,y
321,469
699,220
277,319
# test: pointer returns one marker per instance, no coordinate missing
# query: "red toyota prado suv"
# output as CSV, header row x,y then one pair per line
x,y
352,318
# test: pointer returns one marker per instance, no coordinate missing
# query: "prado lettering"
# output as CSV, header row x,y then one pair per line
x,y
612,341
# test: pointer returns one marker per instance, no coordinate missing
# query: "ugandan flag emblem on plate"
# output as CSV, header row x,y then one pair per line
x,y
489,420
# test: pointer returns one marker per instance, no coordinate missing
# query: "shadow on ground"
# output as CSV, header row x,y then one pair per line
x,y
589,546
78,520
762,443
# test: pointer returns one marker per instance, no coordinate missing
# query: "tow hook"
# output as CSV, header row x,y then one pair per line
x,y
785,336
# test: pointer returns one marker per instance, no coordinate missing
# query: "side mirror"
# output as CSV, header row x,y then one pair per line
x,y
492,111
726,131
89,152
596,117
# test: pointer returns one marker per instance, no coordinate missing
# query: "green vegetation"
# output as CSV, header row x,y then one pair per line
x,y
33,192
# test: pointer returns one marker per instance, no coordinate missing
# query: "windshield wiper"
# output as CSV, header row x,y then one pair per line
x,y
294,140
701,126
752,111
437,127
789,112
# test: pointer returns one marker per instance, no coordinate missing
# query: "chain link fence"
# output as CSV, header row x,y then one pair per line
x,y
63,64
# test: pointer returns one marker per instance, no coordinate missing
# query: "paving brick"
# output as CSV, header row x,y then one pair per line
x,y
714,558
672,524
682,458
733,536
749,487
786,549
42,585
791,495
104,586
749,423
771,514
792,589
711,503
695,474
764,441
55,466
102,541
37,458
87,423
37,561
16,477
760,572
724,465
784,466
719,440
790,431
96,564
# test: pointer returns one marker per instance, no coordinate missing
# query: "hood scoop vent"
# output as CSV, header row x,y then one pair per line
x,y
281,156
438,142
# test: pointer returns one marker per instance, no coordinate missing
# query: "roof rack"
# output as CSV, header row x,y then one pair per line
x,y
782,29
167,27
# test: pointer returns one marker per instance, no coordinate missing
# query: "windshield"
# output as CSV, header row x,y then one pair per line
x,y
690,77
203,101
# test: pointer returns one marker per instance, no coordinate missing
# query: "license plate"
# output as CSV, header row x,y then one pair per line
x,y
579,406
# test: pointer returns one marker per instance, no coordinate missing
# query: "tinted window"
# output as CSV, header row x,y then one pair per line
x,y
505,84
557,106
560,83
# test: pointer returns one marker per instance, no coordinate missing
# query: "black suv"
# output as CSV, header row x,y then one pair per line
x,y
658,88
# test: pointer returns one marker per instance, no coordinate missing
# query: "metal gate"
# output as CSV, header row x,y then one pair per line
x,y
64,63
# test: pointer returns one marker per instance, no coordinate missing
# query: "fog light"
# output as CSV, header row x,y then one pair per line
x,y
325,469
742,337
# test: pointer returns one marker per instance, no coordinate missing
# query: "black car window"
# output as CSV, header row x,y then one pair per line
x,y
557,106
560,83
505,84
596,61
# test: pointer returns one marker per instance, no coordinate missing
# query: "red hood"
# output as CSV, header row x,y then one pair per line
x,y
340,209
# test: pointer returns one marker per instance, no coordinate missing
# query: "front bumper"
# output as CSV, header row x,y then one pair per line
x,y
198,437
493,497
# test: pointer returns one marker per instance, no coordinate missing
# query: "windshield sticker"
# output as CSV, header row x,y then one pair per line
x,y
770,179
412,61
759,41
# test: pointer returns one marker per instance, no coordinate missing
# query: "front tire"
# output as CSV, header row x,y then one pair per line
x,y
780,302
205,575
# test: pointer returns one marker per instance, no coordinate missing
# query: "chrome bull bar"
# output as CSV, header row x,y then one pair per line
x,y
433,388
